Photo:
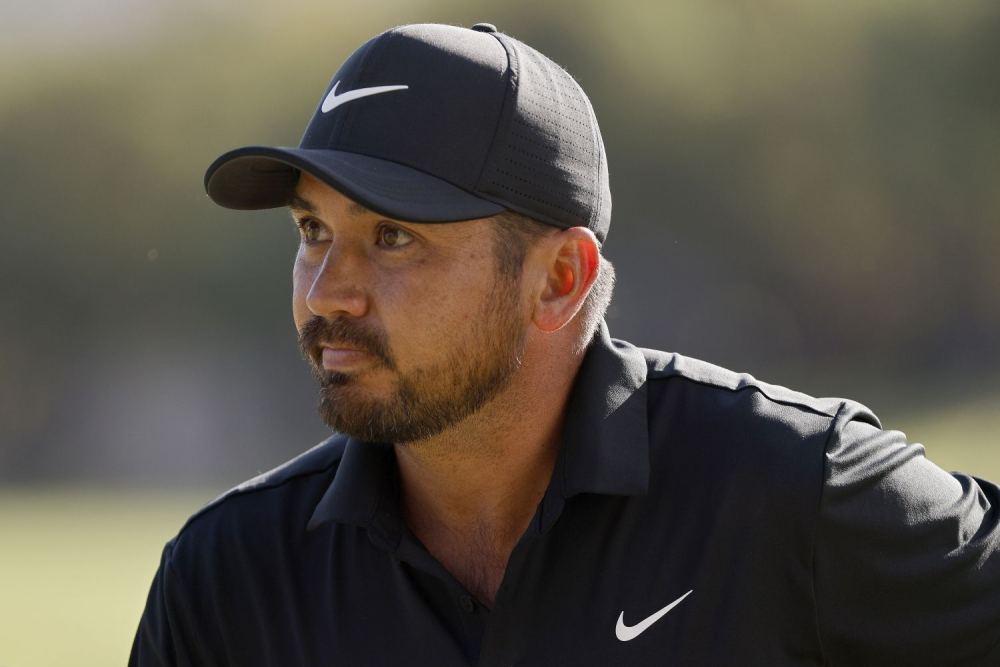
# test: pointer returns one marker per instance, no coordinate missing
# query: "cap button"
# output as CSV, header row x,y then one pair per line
x,y
484,27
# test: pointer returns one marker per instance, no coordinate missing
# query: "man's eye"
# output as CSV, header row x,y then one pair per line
x,y
393,237
310,229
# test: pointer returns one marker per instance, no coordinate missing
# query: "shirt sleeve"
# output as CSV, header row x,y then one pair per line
x,y
167,632
907,556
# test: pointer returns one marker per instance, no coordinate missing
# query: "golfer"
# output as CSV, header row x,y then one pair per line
x,y
507,484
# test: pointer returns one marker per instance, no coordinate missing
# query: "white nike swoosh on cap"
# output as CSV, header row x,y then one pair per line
x,y
333,100
626,633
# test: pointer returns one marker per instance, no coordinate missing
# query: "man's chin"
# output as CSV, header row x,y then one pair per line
x,y
363,415
347,407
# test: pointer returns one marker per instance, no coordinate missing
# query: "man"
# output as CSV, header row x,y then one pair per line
x,y
509,484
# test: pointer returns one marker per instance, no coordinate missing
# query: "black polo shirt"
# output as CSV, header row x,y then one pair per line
x,y
695,516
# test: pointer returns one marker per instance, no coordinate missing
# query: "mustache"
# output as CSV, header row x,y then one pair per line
x,y
319,331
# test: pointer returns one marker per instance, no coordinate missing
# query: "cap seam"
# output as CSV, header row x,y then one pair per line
x,y
595,133
509,88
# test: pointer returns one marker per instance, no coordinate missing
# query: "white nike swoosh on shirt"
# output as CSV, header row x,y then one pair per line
x,y
333,100
625,633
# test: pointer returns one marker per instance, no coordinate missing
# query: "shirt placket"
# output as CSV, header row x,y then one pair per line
x,y
503,643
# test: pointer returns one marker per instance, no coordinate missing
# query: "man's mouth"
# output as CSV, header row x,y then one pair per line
x,y
343,345
339,358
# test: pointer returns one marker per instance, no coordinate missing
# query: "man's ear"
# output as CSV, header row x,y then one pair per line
x,y
570,260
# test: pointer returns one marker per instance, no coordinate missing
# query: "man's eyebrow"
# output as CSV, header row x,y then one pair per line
x,y
299,203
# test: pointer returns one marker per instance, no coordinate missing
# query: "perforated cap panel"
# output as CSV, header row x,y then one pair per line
x,y
547,160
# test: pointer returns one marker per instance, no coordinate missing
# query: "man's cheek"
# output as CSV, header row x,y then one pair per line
x,y
301,283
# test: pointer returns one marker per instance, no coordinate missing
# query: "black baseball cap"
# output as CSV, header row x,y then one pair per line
x,y
437,123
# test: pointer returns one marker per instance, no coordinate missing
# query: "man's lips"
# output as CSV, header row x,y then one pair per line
x,y
341,358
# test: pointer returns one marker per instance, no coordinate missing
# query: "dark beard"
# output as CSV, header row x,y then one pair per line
x,y
426,401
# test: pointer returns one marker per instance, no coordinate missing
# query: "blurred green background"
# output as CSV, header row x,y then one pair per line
x,y
809,192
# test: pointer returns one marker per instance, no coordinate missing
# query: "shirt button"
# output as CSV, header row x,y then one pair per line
x,y
466,603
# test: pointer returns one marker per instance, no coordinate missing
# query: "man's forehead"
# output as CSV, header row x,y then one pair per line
x,y
309,191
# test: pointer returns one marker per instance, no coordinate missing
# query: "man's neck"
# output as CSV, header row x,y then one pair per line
x,y
470,493
467,478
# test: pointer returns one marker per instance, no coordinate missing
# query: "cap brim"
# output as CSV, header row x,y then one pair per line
x,y
259,177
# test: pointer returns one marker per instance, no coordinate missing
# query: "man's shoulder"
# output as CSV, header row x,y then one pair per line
x,y
736,409
738,435
671,365
285,495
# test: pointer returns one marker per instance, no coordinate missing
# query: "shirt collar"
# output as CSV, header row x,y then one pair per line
x,y
605,445
604,449
366,475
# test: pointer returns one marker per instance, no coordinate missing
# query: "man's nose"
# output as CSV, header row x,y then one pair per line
x,y
338,287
